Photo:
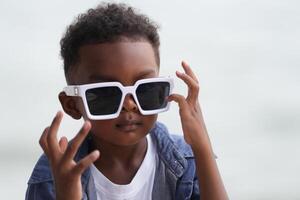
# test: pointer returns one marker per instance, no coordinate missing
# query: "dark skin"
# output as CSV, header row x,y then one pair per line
x,y
122,151
123,147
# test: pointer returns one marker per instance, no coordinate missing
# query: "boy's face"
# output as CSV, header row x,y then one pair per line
x,y
124,62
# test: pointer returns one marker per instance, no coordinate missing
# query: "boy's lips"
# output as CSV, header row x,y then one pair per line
x,y
124,124
127,126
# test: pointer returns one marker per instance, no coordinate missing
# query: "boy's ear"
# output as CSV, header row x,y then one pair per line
x,y
69,105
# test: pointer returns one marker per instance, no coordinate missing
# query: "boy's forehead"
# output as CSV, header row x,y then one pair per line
x,y
116,61
111,52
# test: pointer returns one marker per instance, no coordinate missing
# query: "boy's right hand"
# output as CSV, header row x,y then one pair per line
x,y
66,172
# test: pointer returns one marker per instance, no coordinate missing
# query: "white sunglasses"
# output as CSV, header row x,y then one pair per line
x,y
105,100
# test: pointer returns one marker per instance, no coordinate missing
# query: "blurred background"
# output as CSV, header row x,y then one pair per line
x,y
245,53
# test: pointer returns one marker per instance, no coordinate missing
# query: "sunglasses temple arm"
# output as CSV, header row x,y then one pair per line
x,y
71,91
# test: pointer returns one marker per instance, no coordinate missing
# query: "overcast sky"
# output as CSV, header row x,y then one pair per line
x,y
246,55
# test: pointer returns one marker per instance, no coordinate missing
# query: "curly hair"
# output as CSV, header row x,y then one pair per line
x,y
108,22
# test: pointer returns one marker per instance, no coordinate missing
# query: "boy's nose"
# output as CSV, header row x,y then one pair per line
x,y
129,104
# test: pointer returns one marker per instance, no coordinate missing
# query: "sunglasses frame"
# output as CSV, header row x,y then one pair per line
x,y
80,91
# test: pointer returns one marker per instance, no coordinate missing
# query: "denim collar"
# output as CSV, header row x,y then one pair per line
x,y
173,155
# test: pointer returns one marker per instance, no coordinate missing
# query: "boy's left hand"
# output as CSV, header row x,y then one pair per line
x,y
195,134
193,125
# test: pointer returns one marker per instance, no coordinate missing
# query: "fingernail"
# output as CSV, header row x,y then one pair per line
x,y
87,124
184,62
168,98
58,113
96,154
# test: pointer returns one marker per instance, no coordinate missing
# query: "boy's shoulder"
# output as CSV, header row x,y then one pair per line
x,y
41,172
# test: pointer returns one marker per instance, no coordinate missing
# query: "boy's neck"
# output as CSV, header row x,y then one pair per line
x,y
115,160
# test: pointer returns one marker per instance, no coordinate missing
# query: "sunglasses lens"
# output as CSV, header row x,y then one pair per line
x,y
103,100
152,96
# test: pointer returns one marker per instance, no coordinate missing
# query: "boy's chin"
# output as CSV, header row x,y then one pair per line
x,y
125,136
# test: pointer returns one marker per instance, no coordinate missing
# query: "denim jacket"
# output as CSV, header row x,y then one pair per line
x,y
175,176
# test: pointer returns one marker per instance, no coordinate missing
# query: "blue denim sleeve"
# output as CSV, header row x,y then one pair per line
x,y
40,191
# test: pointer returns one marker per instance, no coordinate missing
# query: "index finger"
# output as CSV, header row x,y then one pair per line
x,y
52,141
43,141
189,71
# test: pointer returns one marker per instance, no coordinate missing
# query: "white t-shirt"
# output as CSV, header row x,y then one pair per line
x,y
139,188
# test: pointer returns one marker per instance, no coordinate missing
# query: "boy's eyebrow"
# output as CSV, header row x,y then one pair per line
x,y
100,78
105,78
145,73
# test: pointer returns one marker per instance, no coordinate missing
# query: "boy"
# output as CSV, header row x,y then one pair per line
x,y
111,63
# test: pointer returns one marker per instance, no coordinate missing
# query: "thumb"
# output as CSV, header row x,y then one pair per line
x,y
180,100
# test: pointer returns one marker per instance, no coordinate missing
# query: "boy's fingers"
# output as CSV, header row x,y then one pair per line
x,y
179,99
192,84
76,142
85,162
52,134
189,70
43,141
63,144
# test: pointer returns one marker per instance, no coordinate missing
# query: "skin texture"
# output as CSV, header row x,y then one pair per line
x,y
123,147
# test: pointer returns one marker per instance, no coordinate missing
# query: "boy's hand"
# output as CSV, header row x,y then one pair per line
x,y
195,134
66,172
193,125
